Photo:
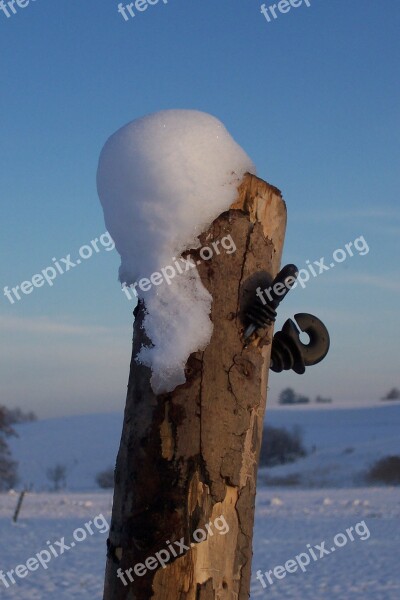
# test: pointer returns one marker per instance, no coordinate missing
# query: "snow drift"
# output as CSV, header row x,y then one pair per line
x,y
162,180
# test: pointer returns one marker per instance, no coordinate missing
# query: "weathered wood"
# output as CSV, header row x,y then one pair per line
x,y
19,505
190,456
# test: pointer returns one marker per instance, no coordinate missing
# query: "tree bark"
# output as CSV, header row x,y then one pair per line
x,y
188,457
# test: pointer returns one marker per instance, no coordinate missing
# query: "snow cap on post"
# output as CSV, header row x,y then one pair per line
x,y
162,180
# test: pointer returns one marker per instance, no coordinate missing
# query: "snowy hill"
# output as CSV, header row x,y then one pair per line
x,y
86,444
287,520
346,442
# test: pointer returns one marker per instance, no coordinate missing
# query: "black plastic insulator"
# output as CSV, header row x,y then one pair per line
x,y
289,352
262,312
261,315
285,352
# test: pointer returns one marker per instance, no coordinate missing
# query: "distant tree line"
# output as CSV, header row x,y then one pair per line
x,y
15,416
393,394
289,396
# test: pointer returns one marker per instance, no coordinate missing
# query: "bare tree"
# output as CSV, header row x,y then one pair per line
x,y
8,467
105,479
57,475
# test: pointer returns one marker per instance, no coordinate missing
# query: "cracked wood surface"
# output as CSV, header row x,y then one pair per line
x,y
190,456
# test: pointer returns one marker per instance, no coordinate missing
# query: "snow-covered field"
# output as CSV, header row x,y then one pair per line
x,y
78,572
287,519
346,441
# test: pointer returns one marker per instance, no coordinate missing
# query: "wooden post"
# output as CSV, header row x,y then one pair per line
x,y
189,457
19,505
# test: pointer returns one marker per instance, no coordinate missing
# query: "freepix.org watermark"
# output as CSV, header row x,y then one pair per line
x,y
180,265
303,560
283,6
54,550
10,7
339,255
175,549
59,267
133,9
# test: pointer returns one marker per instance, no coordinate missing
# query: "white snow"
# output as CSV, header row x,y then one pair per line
x,y
162,180
287,519
84,444
361,570
77,574
347,442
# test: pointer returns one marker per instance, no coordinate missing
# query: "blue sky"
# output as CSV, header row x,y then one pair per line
x,y
312,97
